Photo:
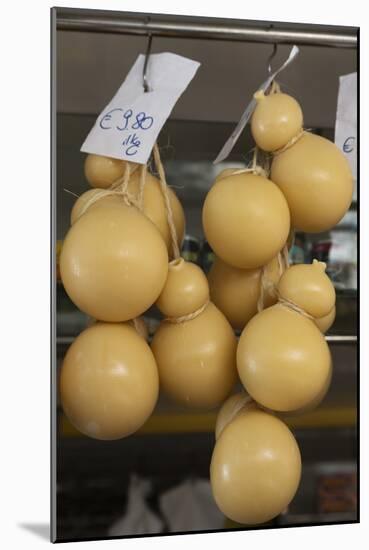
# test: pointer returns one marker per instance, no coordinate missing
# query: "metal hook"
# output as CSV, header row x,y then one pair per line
x,y
274,52
271,57
144,76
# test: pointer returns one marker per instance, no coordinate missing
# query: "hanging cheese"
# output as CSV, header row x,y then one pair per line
x,y
114,263
246,220
102,171
197,359
185,291
283,359
308,286
255,467
109,381
316,180
277,119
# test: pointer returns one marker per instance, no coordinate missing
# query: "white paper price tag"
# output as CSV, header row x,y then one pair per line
x,y
128,126
231,141
346,132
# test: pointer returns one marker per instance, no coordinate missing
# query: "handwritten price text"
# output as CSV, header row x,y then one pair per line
x,y
121,120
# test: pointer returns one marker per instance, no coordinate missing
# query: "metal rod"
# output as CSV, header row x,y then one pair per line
x,y
339,339
331,339
168,27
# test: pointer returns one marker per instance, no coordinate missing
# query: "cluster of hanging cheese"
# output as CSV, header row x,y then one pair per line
x,y
283,360
114,265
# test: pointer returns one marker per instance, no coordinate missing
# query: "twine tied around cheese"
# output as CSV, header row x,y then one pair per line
x,y
268,285
289,144
189,316
294,307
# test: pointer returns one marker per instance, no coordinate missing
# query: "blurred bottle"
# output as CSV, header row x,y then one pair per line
x,y
191,249
207,257
297,251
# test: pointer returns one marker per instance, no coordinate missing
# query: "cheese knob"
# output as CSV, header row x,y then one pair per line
x,y
309,287
185,291
102,172
276,119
